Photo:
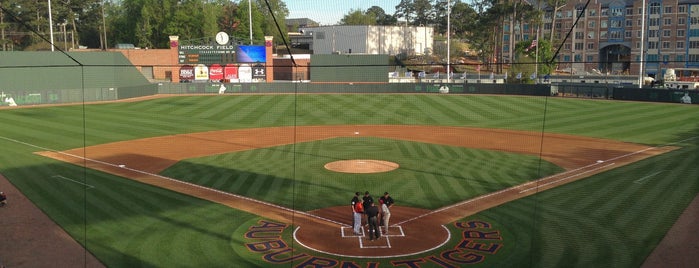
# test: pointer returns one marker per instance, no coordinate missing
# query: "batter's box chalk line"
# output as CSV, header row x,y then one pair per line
x,y
363,238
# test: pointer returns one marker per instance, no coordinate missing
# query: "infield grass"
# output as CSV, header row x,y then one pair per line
x,y
605,220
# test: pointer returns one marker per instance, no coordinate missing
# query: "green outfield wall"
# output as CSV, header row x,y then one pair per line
x,y
54,77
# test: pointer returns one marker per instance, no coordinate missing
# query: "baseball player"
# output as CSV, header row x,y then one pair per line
x,y
357,211
386,203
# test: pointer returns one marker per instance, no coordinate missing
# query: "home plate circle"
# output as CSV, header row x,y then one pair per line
x,y
361,166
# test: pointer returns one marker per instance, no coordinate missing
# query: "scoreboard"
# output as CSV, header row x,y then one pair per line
x,y
206,54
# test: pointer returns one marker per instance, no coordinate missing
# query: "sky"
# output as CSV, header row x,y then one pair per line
x,y
329,12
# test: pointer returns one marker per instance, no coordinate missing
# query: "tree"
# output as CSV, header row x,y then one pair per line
x,y
380,16
358,17
415,12
269,27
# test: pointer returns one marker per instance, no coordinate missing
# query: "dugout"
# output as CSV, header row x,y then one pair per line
x,y
45,77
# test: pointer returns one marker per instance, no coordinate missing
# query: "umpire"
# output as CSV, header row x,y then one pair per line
x,y
373,214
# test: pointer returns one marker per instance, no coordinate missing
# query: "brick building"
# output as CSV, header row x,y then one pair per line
x,y
610,34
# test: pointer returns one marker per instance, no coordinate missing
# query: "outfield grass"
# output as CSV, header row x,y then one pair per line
x,y
606,220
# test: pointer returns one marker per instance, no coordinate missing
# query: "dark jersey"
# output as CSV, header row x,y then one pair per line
x,y
367,201
372,211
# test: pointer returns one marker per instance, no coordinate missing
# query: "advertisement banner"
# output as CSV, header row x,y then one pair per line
x,y
245,73
216,72
201,73
258,71
230,72
186,73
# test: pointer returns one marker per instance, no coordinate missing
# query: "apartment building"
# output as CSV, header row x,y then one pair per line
x,y
611,34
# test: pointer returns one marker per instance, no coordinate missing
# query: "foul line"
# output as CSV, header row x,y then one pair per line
x,y
640,181
178,181
71,180
575,172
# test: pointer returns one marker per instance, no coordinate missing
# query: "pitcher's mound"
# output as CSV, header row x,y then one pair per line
x,y
361,166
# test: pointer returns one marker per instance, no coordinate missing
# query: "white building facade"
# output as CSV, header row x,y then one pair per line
x,y
370,39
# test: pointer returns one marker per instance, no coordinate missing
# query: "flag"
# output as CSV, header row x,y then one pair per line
x,y
533,45
519,75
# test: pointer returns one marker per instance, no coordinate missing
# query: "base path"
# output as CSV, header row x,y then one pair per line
x,y
413,230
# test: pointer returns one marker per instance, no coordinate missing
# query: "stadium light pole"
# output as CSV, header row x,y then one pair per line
x,y
51,25
250,18
448,40
643,56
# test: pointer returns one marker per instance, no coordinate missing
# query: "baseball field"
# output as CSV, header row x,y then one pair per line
x,y
265,180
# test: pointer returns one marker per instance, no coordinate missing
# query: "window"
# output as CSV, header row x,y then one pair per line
x,y
617,12
693,44
591,24
547,26
629,23
569,14
615,23
592,12
654,22
603,34
615,34
566,46
590,35
666,44
652,45
578,58
666,33
666,58
590,59
579,35
668,9
680,44
627,34
681,21
604,12
681,9
579,46
654,8
506,37
679,58
603,24
693,57
668,21
680,33
629,11
591,46
653,33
